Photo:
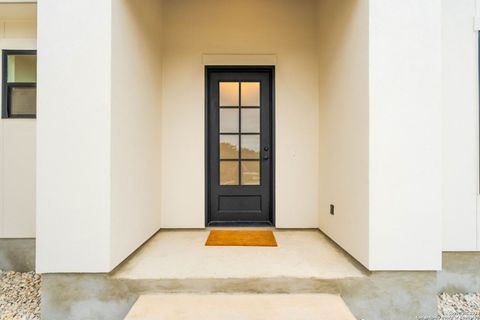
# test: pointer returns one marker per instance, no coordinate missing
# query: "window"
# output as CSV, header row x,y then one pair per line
x,y
19,84
239,133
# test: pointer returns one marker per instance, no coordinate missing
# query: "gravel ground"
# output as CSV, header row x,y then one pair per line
x,y
19,296
459,306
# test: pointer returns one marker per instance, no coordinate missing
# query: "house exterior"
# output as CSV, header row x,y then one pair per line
x,y
372,125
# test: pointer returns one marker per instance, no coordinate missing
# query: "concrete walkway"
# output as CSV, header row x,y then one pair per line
x,y
183,255
240,307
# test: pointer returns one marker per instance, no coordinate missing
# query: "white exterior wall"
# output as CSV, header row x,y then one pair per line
x,y
135,121
285,29
405,135
74,136
381,131
98,182
343,88
17,136
460,133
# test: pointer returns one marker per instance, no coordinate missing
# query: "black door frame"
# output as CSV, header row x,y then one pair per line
x,y
217,68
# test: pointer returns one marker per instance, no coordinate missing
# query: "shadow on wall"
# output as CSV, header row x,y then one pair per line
x,y
343,50
332,50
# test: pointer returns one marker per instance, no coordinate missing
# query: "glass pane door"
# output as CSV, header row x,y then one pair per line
x,y
239,145
240,133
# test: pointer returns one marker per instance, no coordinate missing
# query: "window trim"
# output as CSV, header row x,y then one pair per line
x,y
6,86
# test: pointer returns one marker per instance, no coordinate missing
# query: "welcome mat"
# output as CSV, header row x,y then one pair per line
x,y
248,238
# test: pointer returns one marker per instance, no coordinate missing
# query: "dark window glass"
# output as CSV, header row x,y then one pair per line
x,y
23,101
19,84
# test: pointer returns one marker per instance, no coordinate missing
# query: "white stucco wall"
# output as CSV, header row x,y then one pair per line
x,y
98,168
405,135
344,106
460,126
135,125
286,29
74,136
17,136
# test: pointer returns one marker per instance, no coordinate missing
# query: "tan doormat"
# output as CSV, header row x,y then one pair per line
x,y
248,238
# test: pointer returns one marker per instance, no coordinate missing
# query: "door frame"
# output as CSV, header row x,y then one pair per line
x,y
233,68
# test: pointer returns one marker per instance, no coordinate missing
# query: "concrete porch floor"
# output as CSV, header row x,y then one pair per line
x,y
176,254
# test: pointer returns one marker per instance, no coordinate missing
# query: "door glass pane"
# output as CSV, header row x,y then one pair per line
x,y
23,101
22,68
229,94
228,146
251,94
251,146
228,173
251,120
228,120
250,172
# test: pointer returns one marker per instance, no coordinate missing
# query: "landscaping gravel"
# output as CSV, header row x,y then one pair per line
x,y
19,296
459,306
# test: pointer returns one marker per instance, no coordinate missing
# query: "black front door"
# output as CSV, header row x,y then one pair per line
x,y
239,146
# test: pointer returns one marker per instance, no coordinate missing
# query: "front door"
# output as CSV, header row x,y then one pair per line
x,y
239,146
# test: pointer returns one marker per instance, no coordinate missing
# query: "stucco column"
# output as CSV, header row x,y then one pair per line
x,y
405,135
99,93
73,136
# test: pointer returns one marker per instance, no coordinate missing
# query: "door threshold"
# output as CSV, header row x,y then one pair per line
x,y
239,224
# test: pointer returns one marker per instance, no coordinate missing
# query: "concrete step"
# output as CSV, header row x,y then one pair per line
x,y
240,307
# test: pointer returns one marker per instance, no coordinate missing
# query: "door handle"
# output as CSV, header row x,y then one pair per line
x,y
266,154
